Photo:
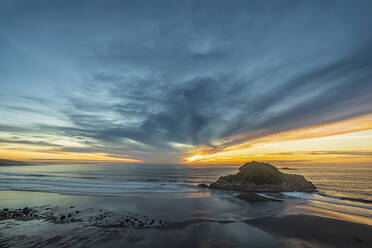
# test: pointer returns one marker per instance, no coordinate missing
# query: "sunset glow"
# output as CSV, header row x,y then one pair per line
x,y
348,141
343,141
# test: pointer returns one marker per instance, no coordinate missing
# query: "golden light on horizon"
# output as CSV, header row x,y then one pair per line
x,y
344,141
42,156
195,158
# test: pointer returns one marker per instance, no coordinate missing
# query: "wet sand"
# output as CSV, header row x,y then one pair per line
x,y
288,231
189,221
253,197
317,230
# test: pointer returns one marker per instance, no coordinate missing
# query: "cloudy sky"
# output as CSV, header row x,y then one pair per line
x,y
186,81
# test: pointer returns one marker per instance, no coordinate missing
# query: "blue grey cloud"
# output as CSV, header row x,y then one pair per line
x,y
135,78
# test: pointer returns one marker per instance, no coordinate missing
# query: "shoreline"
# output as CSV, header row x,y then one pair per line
x,y
254,221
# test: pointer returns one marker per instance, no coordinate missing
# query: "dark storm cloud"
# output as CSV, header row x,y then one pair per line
x,y
139,77
342,90
188,112
196,111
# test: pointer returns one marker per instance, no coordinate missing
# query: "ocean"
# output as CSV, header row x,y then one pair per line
x,y
109,179
346,188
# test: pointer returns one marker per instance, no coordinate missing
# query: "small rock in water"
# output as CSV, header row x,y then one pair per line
x,y
203,185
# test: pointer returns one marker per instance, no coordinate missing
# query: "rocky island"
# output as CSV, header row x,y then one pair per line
x,y
263,177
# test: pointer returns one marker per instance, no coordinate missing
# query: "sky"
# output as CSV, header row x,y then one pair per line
x,y
186,81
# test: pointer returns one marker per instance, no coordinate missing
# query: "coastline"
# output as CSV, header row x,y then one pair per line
x,y
191,216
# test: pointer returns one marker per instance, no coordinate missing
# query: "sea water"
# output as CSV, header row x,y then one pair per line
x,y
347,188
109,179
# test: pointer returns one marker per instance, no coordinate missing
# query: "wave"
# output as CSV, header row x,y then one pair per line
x,y
324,198
9,174
346,198
105,188
269,197
168,178
130,184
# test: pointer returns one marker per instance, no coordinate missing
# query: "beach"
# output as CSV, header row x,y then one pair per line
x,y
186,215
186,124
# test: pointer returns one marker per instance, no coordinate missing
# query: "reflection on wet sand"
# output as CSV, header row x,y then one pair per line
x,y
204,219
206,234
323,212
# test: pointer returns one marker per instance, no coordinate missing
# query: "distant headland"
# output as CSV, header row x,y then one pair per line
x,y
7,162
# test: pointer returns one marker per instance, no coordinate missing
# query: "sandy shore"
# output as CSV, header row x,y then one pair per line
x,y
100,228
197,221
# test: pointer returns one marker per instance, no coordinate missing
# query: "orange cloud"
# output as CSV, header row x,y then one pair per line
x,y
41,156
343,141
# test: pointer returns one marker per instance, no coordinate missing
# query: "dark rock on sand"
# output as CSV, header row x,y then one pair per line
x,y
90,216
203,185
263,177
18,214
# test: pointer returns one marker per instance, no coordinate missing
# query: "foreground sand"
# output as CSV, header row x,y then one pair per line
x,y
299,230
190,221
316,230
